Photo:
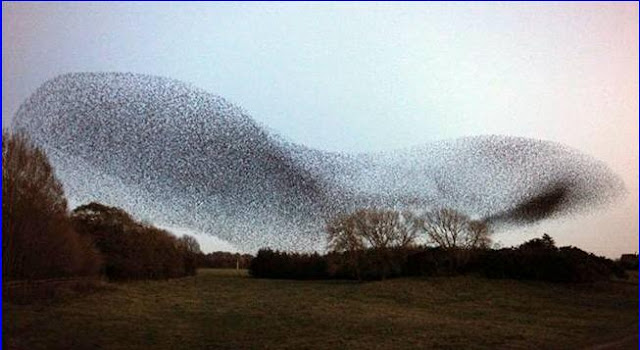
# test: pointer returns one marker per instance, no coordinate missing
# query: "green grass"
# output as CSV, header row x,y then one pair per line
x,y
225,309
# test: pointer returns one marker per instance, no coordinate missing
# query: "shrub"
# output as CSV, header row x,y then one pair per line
x,y
368,264
371,264
275,264
539,259
431,262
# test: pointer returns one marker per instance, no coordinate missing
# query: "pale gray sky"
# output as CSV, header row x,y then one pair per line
x,y
371,76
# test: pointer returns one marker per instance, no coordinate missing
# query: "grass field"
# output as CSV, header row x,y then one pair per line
x,y
225,309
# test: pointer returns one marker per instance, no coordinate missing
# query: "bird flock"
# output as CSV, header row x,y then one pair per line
x,y
175,155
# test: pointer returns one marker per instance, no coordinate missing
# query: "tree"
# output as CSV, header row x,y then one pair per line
x,y
545,243
190,244
191,252
449,229
371,228
134,250
479,234
379,231
342,234
37,238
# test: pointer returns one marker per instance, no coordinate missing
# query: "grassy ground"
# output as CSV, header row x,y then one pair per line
x,y
224,309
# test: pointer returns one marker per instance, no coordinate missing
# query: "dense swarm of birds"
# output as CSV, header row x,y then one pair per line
x,y
173,154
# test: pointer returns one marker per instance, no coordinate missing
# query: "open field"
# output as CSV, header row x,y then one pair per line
x,y
225,309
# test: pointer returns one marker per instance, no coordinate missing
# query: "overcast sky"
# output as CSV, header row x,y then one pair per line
x,y
364,76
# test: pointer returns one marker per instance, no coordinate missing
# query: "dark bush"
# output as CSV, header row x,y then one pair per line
x,y
431,262
368,264
539,259
518,264
628,262
275,264
382,263
224,260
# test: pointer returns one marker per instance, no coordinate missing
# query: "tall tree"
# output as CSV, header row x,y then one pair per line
x,y
37,238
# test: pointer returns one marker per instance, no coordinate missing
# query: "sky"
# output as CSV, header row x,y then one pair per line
x,y
358,77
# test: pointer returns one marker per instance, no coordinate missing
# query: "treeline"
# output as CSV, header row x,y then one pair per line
x,y
371,244
224,260
540,259
41,239
529,261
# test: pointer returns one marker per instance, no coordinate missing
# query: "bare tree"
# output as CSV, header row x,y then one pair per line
x,y
190,244
449,228
343,234
372,228
377,229
410,226
479,234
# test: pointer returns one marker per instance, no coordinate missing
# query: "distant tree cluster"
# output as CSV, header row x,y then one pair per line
x,y
40,240
133,250
371,228
276,264
224,260
385,228
540,259
371,244
529,261
368,239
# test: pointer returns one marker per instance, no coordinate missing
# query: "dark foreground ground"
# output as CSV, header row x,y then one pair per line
x,y
225,309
